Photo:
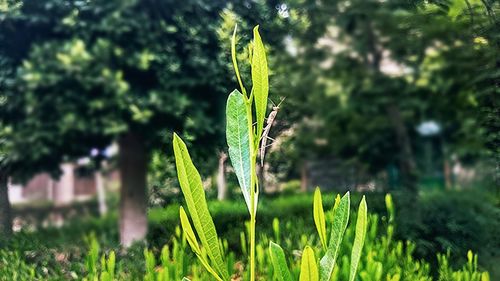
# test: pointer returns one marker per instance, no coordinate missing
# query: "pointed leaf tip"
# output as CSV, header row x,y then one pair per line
x,y
359,238
308,267
260,79
339,225
194,195
319,217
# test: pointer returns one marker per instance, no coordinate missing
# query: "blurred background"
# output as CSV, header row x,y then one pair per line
x,y
394,96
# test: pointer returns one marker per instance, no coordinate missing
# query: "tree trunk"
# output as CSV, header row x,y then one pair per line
x,y
5,209
406,197
221,177
405,158
133,194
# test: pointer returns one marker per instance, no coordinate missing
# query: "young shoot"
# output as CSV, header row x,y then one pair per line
x,y
245,132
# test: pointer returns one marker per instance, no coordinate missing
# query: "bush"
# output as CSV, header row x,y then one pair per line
x,y
458,222
13,267
230,217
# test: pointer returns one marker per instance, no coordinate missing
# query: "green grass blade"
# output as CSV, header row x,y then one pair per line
x,y
308,266
359,238
340,219
319,216
260,79
279,262
191,185
238,140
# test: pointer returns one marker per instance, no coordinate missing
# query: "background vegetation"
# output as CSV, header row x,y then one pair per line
x,y
381,97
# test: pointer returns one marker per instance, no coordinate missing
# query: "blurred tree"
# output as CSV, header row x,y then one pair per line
x,y
7,8
5,207
482,17
80,75
90,73
366,73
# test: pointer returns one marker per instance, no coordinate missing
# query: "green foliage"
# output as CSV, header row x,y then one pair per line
x,y
243,140
13,267
260,80
107,265
150,266
319,217
278,260
384,59
238,141
384,257
241,133
469,272
308,266
192,189
340,220
291,187
457,221
94,68
359,239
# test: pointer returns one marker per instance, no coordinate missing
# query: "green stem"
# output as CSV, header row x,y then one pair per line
x,y
253,184
252,247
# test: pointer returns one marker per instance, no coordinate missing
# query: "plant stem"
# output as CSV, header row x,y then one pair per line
x,y
253,185
253,213
252,246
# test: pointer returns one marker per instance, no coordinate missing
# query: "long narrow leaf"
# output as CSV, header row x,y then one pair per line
x,y
340,219
308,266
191,185
188,231
319,216
279,262
260,79
238,140
193,243
359,238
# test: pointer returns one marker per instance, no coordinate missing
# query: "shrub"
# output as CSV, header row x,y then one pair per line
x,y
457,222
12,267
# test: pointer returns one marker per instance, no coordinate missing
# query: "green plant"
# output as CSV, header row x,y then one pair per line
x,y
244,132
383,257
469,272
107,266
12,267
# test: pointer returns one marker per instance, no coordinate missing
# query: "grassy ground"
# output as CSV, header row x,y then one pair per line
x,y
456,221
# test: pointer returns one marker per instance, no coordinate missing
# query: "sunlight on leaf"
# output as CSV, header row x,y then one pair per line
x,y
308,266
192,188
238,140
340,219
260,87
319,216
278,260
359,239
188,231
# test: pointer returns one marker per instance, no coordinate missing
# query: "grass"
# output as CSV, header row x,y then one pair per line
x,y
63,256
